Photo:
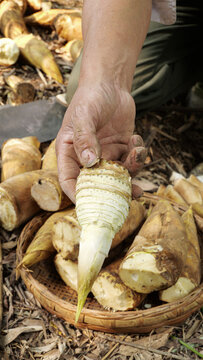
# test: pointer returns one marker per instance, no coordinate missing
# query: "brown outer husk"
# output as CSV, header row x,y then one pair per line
x,y
49,177
19,158
11,20
49,161
164,228
47,289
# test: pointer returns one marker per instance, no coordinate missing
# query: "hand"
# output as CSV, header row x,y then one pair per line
x,y
98,123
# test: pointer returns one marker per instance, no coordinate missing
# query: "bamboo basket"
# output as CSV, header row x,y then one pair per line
x,y
56,297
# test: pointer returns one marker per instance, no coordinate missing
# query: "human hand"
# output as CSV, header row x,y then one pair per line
x,y
98,123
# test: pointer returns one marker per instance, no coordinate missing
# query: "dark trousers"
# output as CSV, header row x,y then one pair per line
x,y
170,61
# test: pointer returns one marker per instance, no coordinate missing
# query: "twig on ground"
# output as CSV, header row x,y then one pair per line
x,y
146,348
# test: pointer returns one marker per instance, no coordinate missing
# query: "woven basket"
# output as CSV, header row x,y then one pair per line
x,y
56,297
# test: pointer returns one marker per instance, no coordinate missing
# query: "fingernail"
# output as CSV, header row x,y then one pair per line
x,y
137,140
140,154
89,158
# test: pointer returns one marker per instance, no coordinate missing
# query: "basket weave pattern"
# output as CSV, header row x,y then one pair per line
x,y
59,299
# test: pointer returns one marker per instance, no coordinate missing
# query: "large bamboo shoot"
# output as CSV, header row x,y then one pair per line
x,y
49,161
155,259
190,274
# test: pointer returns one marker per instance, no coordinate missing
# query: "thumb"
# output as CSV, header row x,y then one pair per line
x,y
86,144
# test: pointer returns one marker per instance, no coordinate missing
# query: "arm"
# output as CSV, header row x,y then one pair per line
x,y
99,122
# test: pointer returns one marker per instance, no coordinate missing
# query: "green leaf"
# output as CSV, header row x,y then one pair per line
x,y
188,346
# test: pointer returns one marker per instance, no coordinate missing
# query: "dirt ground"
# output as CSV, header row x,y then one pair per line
x,y
173,135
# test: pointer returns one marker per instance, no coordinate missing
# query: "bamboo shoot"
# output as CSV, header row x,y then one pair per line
x,y
47,192
103,197
190,274
155,259
69,27
9,52
19,156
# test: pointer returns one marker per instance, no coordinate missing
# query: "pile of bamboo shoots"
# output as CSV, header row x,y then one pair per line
x,y
163,257
14,26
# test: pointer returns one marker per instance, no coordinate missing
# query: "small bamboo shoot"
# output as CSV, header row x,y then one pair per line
x,y
11,20
73,49
35,4
41,246
9,52
190,274
16,202
47,17
103,197
155,259
19,156
37,53
47,192
171,194
23,91
69,27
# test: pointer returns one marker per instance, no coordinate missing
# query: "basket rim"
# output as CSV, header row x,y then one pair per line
x,y
108,321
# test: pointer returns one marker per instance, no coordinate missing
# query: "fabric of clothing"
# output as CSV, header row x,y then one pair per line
x,y
164,11
171,59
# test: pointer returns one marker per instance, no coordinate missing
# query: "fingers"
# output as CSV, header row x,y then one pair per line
x,y
86,144
68,168
135,160
136,191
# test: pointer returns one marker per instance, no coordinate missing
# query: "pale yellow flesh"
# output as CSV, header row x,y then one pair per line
x,y
46,196
67,270
181,288
112,294
140,273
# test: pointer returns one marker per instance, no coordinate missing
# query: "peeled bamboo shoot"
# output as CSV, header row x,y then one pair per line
x,y
9,52
47,192
41,246
69,27
47,17
16,202
155,259
190,274
19,156
196,182
66,231
103,197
